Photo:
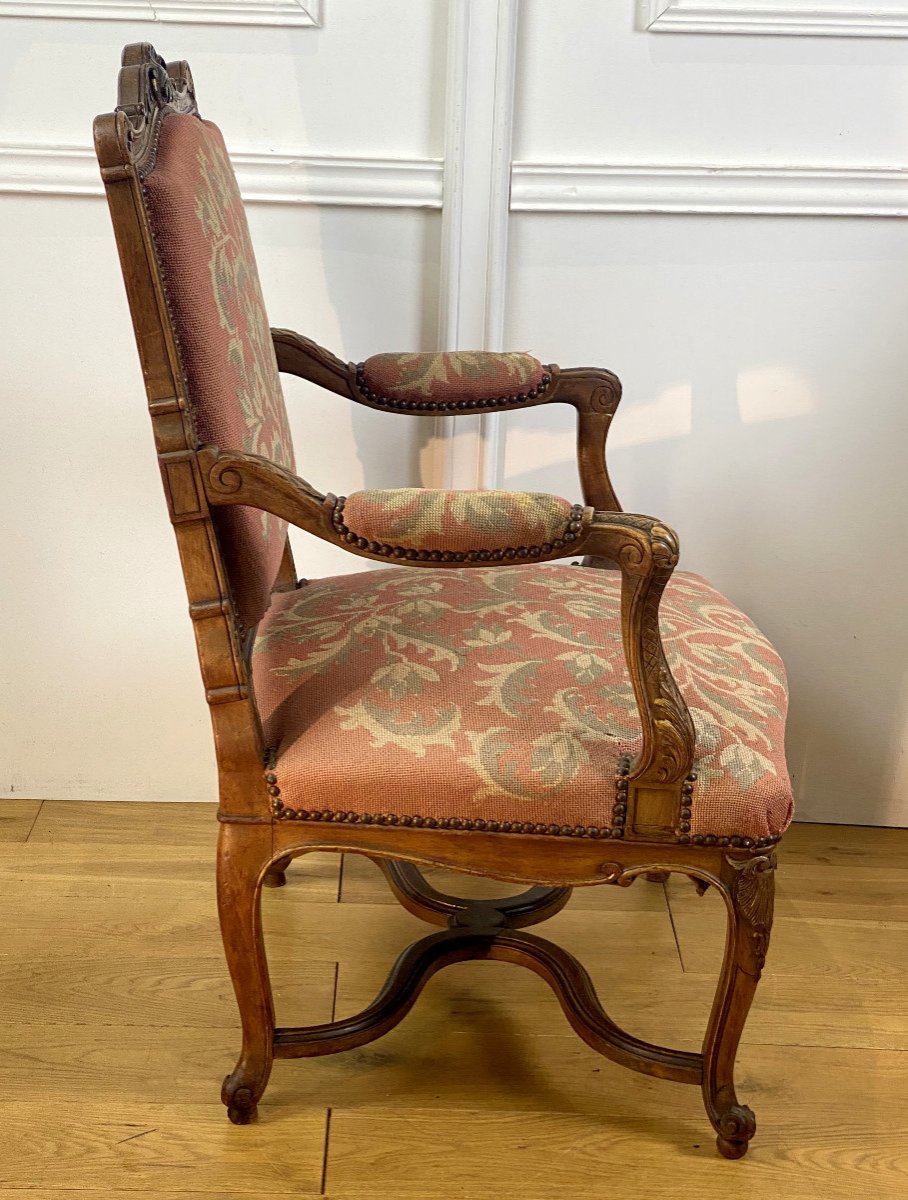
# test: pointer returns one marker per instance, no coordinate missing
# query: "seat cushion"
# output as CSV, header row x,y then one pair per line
x,y
456,379
454,523
499,698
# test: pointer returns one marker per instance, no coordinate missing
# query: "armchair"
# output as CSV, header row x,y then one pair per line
x,y
467,708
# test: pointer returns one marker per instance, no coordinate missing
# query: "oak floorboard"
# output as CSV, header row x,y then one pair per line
x,y
147,1147
812,1140
117,1024
80,871
845,846
124,991
17,818
128,823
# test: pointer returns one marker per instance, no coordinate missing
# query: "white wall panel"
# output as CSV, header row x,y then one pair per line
x,y
594,89
367,81
764,418
795,18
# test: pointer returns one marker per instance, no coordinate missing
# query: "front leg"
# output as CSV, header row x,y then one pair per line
x,y
748,890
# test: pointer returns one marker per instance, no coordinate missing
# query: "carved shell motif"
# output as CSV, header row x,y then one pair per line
x,y
753,893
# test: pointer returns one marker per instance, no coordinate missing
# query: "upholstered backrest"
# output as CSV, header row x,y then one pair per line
x,y
213,293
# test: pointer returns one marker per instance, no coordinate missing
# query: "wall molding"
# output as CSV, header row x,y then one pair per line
x,y
175,12
753,17
51,170
757,190
473,316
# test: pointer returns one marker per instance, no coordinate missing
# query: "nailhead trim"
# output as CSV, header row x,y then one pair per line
x,y
615,831
682,832
449,405
384,550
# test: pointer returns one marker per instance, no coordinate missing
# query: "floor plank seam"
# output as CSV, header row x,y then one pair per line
x,y
671,918
35,821
324,1181
334,992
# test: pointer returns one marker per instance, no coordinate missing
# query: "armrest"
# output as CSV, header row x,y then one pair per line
x,y
232,477
469,382
451,525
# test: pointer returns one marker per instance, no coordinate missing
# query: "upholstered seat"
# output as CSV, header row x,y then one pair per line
x,y
500,699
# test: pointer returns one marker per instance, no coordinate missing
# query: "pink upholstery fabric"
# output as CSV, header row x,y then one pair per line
x,y
426,519
501,694
211,279
468,375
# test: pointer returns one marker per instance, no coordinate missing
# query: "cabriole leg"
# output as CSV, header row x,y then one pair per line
x,y
748,889
243,851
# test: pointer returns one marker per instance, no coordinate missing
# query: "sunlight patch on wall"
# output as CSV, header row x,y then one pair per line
x,y
668,416
773,393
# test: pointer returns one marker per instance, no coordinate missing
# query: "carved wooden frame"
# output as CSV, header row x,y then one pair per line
x,y
256,844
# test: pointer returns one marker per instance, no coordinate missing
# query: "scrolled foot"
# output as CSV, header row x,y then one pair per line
x,y
240,1102
736,1127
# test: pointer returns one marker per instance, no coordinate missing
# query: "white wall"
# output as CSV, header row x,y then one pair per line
x,y
100,692
763,356
716,215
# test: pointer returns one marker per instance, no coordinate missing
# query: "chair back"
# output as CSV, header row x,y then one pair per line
x,y
204,270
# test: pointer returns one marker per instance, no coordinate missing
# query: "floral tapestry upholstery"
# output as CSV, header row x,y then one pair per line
x,y
426,519
215,300
464,697
461,378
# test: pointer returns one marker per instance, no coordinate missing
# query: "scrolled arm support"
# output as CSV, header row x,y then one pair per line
x,y
232,477
595,393
300,356
647,553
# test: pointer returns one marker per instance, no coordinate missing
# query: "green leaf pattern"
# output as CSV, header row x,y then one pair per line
x,y
519,673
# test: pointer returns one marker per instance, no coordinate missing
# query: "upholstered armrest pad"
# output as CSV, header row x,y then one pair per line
x,y
461,379
456,523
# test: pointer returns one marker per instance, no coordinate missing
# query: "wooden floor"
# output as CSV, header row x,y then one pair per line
x,y
117,1025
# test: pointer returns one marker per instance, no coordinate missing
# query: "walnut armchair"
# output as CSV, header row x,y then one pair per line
x,y
467,708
